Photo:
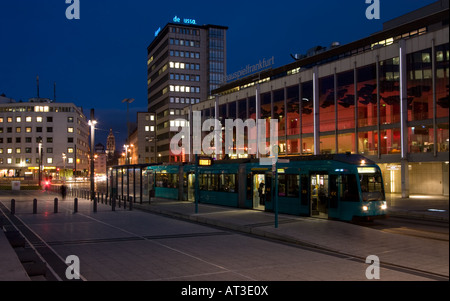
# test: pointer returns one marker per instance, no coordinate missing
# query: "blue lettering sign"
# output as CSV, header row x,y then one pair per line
x,y
189,21
157,32
177,19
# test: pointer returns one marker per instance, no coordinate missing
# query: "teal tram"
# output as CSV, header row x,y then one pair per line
x,y
340,186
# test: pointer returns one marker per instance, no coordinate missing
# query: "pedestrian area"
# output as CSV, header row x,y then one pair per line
x,y
346,239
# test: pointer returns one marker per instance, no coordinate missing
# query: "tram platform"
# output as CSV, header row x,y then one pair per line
x,y
341,237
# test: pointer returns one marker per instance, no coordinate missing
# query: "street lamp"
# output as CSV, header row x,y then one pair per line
x,y
127,149
92,124
64,162
39,139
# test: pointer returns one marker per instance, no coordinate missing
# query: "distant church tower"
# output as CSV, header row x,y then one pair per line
x,y
111,144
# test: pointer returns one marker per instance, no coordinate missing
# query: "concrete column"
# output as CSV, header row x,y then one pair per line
x,y
355,85
316,111
300,109
258,116
404,119
336,133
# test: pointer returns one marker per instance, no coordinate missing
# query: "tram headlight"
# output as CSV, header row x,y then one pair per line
x,y
365,208
383,206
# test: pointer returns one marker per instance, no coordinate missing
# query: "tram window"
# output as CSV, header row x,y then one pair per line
x,y
213,182
203,182
222,182
349,189
281,185
288,185
371,187
166,180
305,190
185,180
292,185
227,182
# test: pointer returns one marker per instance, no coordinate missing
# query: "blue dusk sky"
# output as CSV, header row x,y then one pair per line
x,y
100,59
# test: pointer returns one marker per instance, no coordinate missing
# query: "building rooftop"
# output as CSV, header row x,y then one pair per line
x,y
414,23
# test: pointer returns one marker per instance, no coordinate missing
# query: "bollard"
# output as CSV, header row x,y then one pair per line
x,y
13,206
95,204
131,204
125,199
113,204
34,206
56,206
75,205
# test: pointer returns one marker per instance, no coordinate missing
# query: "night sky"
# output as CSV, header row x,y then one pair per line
x,y
100,59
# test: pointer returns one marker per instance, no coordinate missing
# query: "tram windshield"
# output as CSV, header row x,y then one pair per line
x,y
371,184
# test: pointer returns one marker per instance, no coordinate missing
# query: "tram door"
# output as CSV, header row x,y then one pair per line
x,y
319,195
191,187
261,190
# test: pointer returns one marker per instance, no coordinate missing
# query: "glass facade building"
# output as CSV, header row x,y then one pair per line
x,y
385,97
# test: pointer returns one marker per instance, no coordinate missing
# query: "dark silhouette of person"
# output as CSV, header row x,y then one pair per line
x,y
262,194
63,191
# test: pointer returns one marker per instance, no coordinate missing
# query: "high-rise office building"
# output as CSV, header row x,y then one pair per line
x,y
185,63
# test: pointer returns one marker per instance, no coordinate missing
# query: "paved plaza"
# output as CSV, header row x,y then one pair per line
x,y
167,240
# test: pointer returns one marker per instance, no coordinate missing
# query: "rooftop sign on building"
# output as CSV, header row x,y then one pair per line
x,y
177,19
250,69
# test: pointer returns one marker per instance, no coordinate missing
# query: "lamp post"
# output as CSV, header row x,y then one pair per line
x,y
130,158
40,160
126,146
64,163
92,124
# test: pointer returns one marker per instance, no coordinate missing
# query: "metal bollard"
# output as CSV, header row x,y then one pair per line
x,y
95,204
125,199
34,206
131,203
13,206
56,206
113,204
75,205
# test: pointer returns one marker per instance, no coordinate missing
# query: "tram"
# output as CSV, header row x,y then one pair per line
x,y
338,186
